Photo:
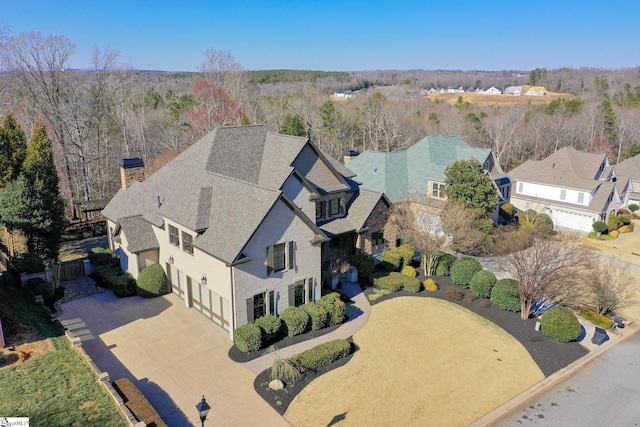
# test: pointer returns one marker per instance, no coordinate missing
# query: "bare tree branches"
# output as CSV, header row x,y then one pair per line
x,y
607,288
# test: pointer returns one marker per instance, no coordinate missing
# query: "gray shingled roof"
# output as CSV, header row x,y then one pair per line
x,y
360,209
223,186
140,235
401,173
566,167
629,167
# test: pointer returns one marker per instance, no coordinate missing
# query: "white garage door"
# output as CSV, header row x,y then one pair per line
x,y
572,221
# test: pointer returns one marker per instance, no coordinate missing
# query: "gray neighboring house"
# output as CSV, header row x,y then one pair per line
x,y
574,188
242,222
417,173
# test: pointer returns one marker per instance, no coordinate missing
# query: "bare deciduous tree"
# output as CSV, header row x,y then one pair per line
x,y
548,269
458,223
608,288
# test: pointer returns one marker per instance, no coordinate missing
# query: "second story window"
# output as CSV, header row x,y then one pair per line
x,y
563,194
520,185
581,198
319,210
437,190
174,237
187,245
334,207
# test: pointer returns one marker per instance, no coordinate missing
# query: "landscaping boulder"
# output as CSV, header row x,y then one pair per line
x,y
276,385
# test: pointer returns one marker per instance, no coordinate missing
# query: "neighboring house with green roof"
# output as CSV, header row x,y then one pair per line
x,y
417,174
573,187
242,221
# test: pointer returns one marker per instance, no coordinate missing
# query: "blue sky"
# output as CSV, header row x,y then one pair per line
x,y
343,35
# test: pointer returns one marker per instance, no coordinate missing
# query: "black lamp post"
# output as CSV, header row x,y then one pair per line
x,y
203,409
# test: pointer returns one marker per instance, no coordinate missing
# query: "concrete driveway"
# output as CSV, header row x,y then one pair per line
x,y
173,354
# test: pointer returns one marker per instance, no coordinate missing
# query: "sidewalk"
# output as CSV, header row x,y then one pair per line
x,y
359,316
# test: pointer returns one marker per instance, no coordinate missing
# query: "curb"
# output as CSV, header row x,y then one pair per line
x,y
507,407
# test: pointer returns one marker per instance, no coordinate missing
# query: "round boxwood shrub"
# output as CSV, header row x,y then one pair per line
x,y
505,295
248,337
463,270
412,284
600,227
407,270
270,326
318,315
634,207
152,282
481,283
560,324
444,263
295,319
430,285
335,307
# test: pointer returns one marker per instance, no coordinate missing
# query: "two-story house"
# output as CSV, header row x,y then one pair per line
x,y
417,174
574,188
240,221
631,168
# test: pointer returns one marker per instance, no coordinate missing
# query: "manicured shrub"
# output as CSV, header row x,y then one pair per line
x,y
463,270
30,264
613,222
560,324
633,207
248,337
270,327
295,319
335,307
625,220
614,234
377,294
626,228
39,287
412,284
538,222
113,278
152,282
444,263
454,294
407,270
318,315
430,285
137,403
505,295
596,319
102,256
365,265
482,282
507,211
600,227
392,281
394,258
322,355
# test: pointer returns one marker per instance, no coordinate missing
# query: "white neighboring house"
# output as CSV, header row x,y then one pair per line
x,y
574,188
536,91
513,90
631,168
492,91
242,222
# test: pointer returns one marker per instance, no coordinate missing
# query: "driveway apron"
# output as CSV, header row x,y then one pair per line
x,y
173,354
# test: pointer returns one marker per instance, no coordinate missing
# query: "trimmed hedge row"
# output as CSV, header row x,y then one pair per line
x,y
327,311
137,403
322,355
394,282
113,278
596,319
394,258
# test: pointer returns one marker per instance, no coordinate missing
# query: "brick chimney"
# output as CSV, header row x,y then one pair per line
x,y
131,170
349,155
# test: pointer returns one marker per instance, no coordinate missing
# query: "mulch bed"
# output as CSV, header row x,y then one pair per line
x,y
550,356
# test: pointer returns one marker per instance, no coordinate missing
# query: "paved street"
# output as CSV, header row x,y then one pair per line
x,y
605,391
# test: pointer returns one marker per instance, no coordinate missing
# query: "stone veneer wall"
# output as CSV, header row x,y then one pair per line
x,y
129,175
379,220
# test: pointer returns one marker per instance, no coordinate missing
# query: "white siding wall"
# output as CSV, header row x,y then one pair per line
x,y
294,189
280,225
128,261
552,193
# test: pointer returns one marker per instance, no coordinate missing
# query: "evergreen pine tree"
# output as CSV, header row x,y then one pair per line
x,y
13,147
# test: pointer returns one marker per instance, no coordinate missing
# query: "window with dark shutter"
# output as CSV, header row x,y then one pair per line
x,y
291,258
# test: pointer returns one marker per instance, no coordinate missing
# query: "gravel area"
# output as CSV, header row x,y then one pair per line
x,y
81,287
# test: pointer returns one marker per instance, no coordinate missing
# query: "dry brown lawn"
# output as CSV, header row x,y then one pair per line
x,y
421,361
488,100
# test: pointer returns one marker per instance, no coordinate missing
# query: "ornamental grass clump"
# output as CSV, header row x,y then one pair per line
x,y
560,324
481,283
463,270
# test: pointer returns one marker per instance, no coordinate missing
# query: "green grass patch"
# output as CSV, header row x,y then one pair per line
x,y
56,388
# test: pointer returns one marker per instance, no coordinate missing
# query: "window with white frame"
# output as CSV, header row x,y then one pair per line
x,y
437,190
174,237
187,243
563,194
260,305
520,185
280,257
581,198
